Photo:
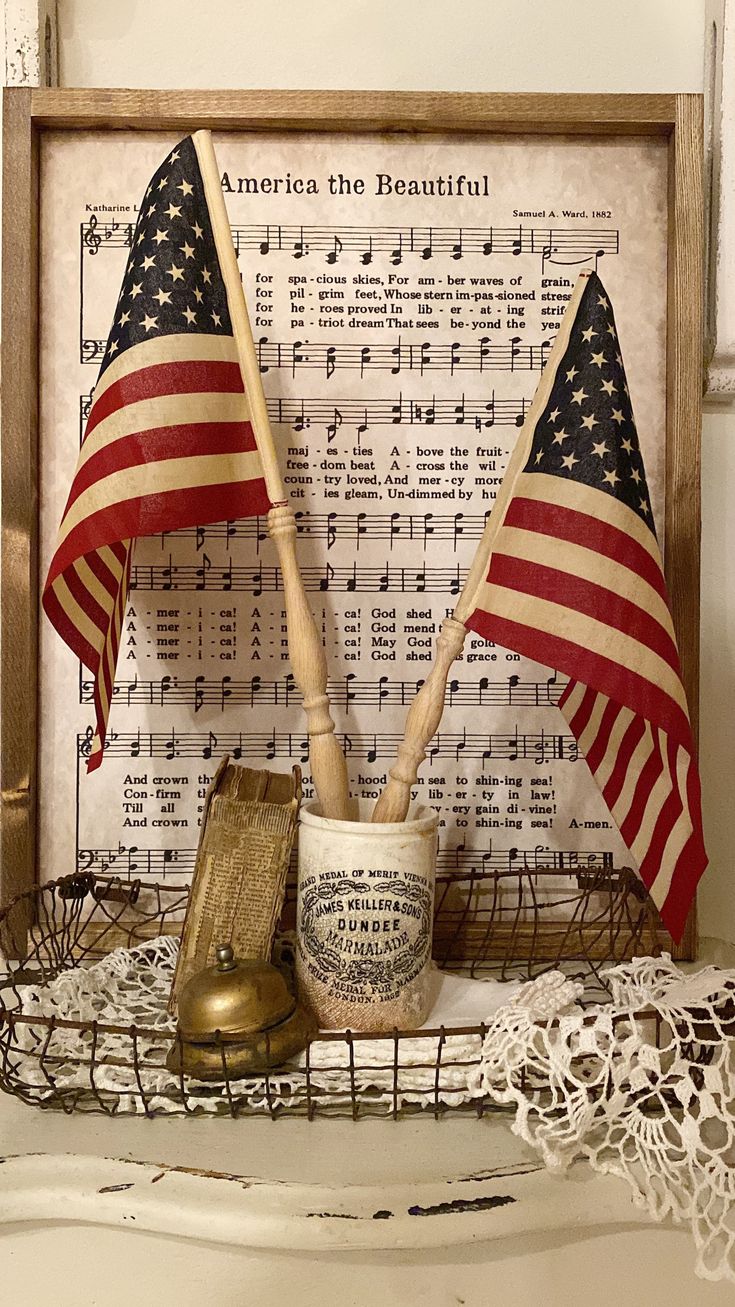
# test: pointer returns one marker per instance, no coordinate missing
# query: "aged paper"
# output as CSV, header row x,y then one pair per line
x,y
239,884
404,292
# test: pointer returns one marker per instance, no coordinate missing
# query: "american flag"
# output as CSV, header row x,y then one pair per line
x,y
168,441
575,581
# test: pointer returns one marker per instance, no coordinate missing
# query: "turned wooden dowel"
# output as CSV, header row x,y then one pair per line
x,y
422,722
309,666
305,648
425,713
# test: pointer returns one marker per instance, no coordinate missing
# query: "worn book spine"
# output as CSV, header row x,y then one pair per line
x,y
239,883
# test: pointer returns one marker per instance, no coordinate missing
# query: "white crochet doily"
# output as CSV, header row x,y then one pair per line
x,y
600,1083
131,987
642,1086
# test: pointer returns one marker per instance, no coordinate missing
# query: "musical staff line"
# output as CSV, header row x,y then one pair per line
x,y
429,356
353,528
565,245
239,579
133,861
537,746
347,692
300,414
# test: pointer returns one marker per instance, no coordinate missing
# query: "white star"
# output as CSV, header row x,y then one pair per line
x,y
124,317
189,315
141,238
176,273
198,233
186,187
160,236
173,211
636,475
162,183
617,415
599,360
571,374
206,275
187,250
216,319
173,157
136,291
148,323
560,437
163,296
113,345
611,330
600,449
148,262
198,295
644,507
151,211
608,387
612,477
588,334
619,359
553,416
568,461
590,421
539,456
579,396
627,446
603,302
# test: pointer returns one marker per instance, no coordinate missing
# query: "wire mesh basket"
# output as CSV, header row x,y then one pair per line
x,y
89,961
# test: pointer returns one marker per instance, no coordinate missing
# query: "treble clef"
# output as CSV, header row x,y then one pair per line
x,y
85,742
92,238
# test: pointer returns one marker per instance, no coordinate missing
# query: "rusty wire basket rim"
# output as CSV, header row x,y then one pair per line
x,y
63,909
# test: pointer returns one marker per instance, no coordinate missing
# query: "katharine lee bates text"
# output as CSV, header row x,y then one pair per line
x,y
398,362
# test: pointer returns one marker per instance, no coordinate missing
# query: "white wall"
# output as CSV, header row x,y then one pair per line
x,y
473,45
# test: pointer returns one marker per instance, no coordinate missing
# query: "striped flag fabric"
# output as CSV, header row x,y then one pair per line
x,y
575,581
168,441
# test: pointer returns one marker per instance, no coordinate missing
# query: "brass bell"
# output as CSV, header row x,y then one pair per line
x,y
237,1018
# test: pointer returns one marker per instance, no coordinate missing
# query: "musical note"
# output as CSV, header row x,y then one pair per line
x,y
335,251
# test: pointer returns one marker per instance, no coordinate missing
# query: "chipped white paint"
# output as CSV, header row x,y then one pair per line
x,y
253,1213
30,43
721,130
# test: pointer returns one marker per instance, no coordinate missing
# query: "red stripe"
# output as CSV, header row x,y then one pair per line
x,y
598,749
86,599
584,711
647,777
583,529
165,511
605,675
566,692
184,377
70,634
120,549
586,597
188,440
629,743
690,865
650,865
105,577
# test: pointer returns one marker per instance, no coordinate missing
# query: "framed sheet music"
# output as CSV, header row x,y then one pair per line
x,y
406,259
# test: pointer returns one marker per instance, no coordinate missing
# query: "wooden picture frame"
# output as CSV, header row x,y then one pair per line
x,y
28,113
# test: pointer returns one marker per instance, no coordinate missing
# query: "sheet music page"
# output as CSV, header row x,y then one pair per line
x,y
404,292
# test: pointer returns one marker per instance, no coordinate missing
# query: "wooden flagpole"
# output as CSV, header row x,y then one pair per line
x,y
425,712
306,651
